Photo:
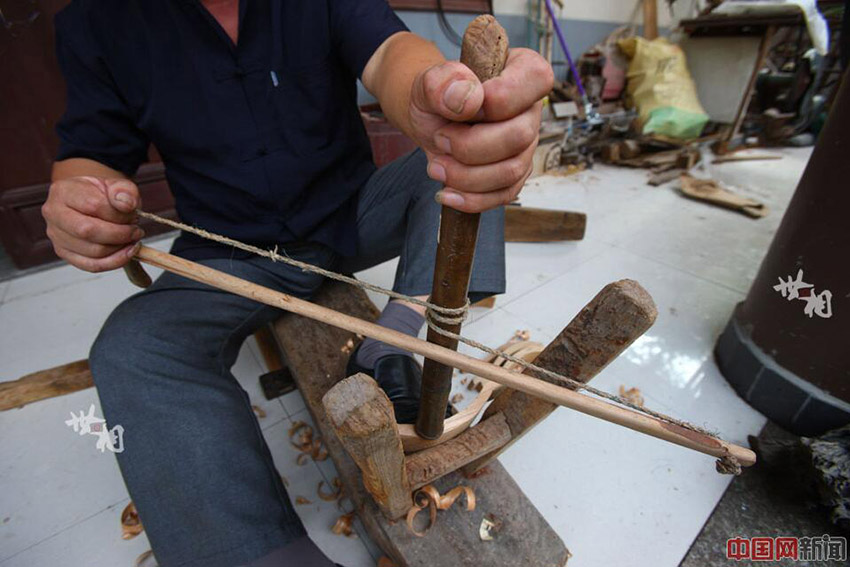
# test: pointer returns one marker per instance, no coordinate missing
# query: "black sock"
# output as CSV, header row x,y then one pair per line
x,y
396,316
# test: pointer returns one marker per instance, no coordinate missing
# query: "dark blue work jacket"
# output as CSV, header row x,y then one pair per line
x,y
262,141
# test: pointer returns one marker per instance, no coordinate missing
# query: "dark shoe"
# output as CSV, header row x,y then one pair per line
x,y
400,377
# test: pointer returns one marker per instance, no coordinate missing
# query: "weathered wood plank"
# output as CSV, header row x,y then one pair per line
x,y
312,351
49,383
527,224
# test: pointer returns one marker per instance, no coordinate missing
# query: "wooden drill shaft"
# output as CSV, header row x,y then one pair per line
x,y
550,392
484,51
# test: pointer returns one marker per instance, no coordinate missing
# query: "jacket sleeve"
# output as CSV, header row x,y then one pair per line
x,y
97,123
359,27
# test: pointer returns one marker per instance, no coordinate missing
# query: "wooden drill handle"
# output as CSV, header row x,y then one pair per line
x,y
484,51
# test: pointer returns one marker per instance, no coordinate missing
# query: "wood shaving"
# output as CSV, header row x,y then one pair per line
x,y
259,411
522,335
490,526
464,380
301,501
318,451
305,439
428,497
131,525
474,386
386,562
632,395
340,504
343,525
347,347
142,560
301,437
332,496
480,472
457,398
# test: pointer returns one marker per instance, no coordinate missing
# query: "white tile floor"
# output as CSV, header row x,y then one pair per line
x,y
615,497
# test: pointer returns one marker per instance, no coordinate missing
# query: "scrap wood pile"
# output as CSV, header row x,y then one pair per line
x,y
636,102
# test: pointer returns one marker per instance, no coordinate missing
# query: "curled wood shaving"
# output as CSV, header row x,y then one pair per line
x,y
332,496
464,380
131,525
301,437
457,398
340,504
301,501
430,498
347,347
343,525
318,450
386,562
522,335
260,412
414,511
305,439
142,559
632,395
490,526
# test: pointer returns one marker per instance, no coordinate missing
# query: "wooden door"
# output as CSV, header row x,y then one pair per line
x,y
32,99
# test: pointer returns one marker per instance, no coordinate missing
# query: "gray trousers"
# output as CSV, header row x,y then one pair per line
x,y
195,462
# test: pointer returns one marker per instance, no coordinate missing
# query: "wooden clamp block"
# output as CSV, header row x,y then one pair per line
x,y
314,353
604,328
363,419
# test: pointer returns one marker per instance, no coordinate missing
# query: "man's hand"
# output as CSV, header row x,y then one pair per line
x,y
92,222
480,138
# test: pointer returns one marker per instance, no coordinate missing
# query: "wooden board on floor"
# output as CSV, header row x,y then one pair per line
x,y
45,384
314,353
527,224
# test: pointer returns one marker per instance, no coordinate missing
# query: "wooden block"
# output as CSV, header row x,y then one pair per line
x,y
604,328
427,466
486,303
312,352
364,422
267,344
48,383
610,153
687,159
663,177
526,224
629,149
